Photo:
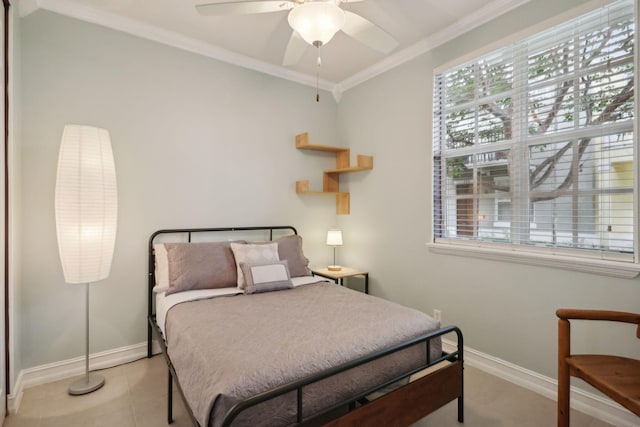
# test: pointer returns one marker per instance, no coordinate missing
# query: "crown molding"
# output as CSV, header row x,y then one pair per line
x,y
27,7
461,26
170,38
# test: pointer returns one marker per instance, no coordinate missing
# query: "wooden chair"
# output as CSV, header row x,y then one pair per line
x,y
617,377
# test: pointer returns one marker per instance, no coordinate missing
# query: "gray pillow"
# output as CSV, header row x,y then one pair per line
x,y
205,265
266,277
290,248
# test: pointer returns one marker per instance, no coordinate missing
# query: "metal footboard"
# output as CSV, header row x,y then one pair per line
x,y
450,385
298,386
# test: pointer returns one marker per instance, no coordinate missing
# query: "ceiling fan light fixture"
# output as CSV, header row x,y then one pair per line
x,y
317,22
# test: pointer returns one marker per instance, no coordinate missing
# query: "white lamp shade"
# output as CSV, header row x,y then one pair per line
x,y
86,204
316,21
334,237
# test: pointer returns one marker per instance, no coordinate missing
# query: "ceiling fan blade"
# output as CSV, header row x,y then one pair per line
x,y
243,7
368,33
295,49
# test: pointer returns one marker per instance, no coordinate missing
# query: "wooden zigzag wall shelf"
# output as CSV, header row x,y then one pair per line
x,y
331,178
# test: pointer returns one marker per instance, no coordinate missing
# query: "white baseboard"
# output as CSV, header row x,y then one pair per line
x,y
68,368
591,404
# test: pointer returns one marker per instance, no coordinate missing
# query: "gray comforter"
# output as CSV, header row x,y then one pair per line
x,y
226,349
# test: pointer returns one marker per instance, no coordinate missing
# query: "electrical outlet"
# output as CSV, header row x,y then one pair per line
x,y
437,315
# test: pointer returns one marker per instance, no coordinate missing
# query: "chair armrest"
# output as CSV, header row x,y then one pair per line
x,y
611,316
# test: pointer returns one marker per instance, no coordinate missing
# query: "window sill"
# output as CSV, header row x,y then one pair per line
x,y
614,268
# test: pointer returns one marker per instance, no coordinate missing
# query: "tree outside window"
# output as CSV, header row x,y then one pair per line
x,y
544,126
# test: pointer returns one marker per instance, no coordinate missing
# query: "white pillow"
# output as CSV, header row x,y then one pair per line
x,y
253,254
162,268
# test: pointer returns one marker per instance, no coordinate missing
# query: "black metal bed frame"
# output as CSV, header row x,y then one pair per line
x,y
445,381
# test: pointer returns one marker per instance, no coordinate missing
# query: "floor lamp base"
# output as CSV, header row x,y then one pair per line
x,y
86,384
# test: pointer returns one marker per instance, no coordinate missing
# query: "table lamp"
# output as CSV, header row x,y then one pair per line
x,y
334,238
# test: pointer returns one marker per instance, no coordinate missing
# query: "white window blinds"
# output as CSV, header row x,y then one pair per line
x,y
534,143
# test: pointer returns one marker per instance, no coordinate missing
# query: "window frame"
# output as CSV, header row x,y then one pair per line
x,y
597,262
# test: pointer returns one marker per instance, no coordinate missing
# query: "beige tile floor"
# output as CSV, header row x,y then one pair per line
x,y
135,396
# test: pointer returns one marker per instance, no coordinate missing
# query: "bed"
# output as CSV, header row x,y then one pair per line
x,y
251,338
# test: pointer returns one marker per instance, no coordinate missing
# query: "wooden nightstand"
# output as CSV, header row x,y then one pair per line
x,y
338,276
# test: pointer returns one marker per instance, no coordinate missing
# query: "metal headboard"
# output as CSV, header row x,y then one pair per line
x,y
189,234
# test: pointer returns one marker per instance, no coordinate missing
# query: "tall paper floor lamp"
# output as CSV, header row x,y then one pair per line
x,y
86,206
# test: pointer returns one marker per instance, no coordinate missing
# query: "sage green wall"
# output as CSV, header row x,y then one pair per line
x,y
196,142
505,310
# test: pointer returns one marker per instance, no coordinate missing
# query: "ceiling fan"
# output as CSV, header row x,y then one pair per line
x,y
314,22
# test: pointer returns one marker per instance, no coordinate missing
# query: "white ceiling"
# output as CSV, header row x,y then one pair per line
x,y
259,41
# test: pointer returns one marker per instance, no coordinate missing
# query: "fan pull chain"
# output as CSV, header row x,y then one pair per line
x,y
318,45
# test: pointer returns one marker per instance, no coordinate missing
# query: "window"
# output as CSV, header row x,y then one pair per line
x,y
544,125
